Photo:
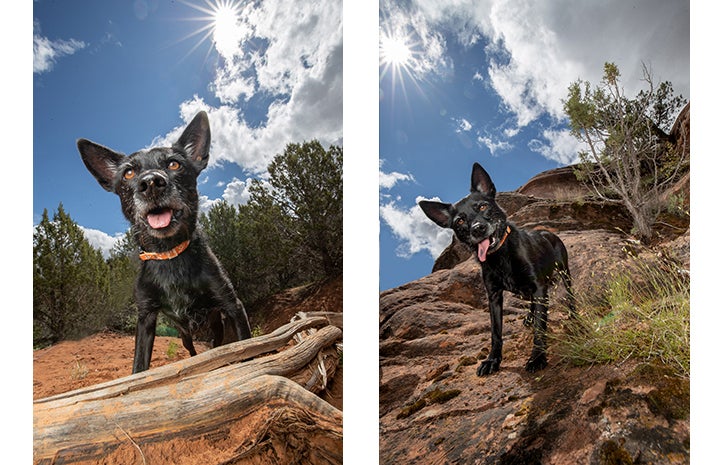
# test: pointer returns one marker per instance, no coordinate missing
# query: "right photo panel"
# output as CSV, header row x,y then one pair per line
x,y
534,301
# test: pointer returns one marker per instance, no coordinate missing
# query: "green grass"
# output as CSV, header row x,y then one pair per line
x,y
172,351
256,331
642,312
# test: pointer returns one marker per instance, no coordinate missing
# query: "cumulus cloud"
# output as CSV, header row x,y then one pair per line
x,y
46,52
101,240
236,192
288,56
414,231
410,226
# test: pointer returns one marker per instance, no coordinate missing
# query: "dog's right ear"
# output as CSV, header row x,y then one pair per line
x,y
101,162
441,213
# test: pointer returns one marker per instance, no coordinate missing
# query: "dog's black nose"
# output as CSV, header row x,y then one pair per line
x,y
153,182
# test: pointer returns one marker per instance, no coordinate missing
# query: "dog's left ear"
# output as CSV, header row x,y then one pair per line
x,y
481,181
195,140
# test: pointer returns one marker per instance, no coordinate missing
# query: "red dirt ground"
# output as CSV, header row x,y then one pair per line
x,y
71,365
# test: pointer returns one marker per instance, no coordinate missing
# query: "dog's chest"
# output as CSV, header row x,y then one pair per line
x,y
183,288
509,275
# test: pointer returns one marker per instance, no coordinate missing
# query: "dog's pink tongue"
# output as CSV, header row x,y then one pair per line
x,y
160,220
483,248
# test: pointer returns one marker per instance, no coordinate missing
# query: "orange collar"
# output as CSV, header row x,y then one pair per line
x,y
172,253
505,236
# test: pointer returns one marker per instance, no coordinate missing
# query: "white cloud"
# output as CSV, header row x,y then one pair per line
x,y
46,52
298,68
236,192
494,145
388,180
101,240
414,230
561,146
205,203
463,125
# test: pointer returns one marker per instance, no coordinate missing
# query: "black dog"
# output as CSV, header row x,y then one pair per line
x,y
179,275
512,259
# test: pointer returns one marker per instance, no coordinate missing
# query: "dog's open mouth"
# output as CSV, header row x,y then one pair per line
x,y
484,246
160,218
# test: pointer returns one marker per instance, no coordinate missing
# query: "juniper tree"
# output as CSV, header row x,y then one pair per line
x,y
630,157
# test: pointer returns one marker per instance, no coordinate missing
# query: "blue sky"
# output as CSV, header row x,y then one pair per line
x,y
484,81
132,74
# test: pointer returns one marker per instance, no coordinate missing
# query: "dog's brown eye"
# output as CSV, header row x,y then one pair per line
x,y
482,207
460,221
173,165
129,173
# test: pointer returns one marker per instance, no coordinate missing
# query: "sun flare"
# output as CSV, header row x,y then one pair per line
x,y
400,59
395,50
221,25
225,28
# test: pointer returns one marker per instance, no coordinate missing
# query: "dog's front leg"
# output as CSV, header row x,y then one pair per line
x,y
539,308
144,339
493,362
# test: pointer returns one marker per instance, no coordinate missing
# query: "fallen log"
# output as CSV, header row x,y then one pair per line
x,y
203,362
194,397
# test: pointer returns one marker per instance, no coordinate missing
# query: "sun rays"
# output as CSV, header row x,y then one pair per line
x,y
221,25
400,57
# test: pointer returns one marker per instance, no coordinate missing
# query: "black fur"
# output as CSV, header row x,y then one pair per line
x,y
520,261
158,195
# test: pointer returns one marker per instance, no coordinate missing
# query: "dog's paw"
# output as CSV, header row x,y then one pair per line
x,y
488,366
528,321
536,363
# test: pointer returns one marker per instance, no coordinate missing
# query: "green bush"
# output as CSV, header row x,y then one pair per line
x,y
642,312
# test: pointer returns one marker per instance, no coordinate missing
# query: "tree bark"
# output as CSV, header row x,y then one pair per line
x,y
194,396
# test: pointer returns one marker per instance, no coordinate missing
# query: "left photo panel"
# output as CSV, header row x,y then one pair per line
x,y
187,232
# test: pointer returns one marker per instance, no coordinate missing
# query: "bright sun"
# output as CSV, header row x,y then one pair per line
x,y
399,58
225,28
395,51
221,25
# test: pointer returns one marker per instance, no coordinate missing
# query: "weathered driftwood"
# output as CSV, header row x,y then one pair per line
x,y
188,397
203,362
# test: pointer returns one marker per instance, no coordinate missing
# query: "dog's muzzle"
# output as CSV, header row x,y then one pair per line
x,y
153,188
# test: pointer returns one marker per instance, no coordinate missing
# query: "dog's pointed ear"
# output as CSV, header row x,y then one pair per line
x,y
195,140
481,181
101,162
441,213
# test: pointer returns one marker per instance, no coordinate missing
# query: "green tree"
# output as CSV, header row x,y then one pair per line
x,y
290,231
70,281
123,265
630,157
306,182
